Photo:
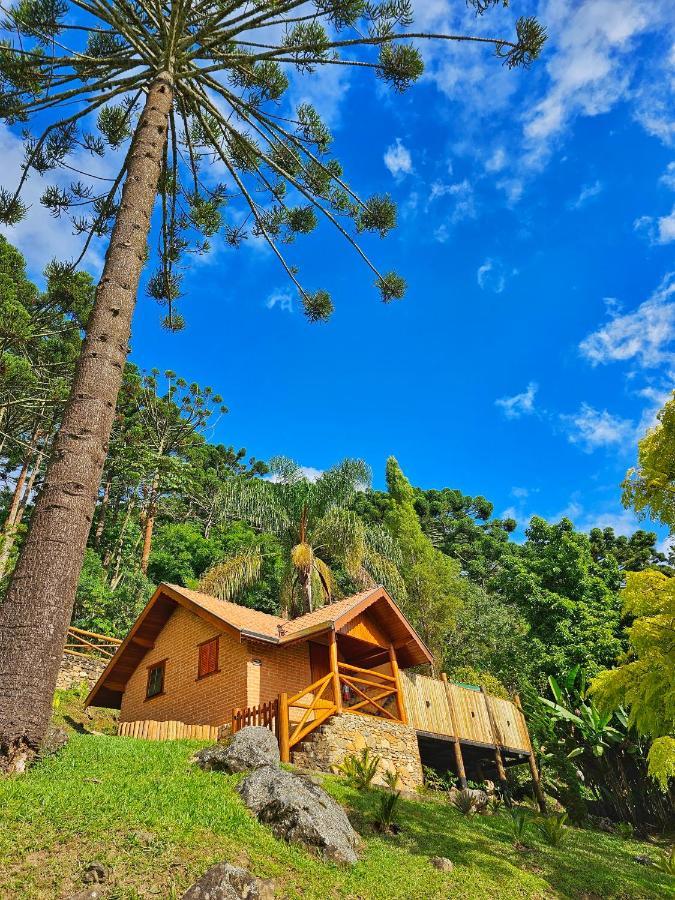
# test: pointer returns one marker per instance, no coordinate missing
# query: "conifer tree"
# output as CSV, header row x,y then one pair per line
x,y
175,87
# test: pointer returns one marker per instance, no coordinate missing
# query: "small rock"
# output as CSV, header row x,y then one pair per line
x,y
145,838
643,860
94,873
442,863
250,748
88,894
299,811
55,740
226,882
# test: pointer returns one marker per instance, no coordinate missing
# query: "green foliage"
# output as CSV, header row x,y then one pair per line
x,y
465,802
644,680
625,830
553,829
650,487
434,586
436,781
569,600
360,769
665,862
387,804
519,824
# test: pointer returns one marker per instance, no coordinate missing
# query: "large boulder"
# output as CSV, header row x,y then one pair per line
x,y
250,748
226,882
298,810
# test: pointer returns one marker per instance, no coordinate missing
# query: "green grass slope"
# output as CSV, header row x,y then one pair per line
x,y
157,822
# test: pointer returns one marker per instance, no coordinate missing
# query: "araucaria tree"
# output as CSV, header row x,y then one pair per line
x,y
166,88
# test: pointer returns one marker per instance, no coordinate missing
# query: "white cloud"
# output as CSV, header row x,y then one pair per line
x,y
659,230
643,335
591,428
463,197
668,177
491,276
588,191
497,161
589,65
282,299
520,404
309,472
398,160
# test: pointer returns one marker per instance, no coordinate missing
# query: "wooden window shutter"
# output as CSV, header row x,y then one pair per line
x,y
208,658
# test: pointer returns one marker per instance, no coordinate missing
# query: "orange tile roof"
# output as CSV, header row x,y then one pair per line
x,y
245,619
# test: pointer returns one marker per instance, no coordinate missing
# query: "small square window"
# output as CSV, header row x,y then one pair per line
x,y
155,680
208,658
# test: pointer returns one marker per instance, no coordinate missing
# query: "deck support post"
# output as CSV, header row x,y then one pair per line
x,y
456,745
534,772
400,705
333,655
499,762
284,747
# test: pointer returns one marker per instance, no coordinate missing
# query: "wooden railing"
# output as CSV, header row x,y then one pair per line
x,y
366,691
314,709
90,644
265,715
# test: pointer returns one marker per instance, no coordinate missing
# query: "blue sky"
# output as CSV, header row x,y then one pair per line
x,y
536,233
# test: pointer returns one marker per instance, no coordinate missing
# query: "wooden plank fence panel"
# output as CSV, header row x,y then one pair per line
x,y
151,730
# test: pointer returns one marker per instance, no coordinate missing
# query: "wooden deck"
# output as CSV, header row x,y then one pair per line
x,y
438,707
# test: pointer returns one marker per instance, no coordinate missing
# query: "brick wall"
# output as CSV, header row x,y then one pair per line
x,y
239,682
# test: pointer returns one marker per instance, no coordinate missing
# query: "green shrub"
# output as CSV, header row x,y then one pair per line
x,y
553,829
465,802
666,862
520,825
625,830
435,781
360,769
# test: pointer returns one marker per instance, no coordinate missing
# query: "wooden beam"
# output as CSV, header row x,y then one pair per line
x,y
333,657
499,762
114,685
143,642
536,783
284,747
456,746
403,716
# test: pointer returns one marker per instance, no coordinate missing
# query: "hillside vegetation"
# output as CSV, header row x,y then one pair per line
x,y
157,822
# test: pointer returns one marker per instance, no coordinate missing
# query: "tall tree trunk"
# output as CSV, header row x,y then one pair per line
x,y
17,506
102,511
38,605
151,513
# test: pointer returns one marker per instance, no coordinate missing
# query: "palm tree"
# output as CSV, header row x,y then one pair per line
x,y
172,91
316,529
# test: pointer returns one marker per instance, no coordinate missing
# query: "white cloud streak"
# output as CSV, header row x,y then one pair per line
x,y
519,404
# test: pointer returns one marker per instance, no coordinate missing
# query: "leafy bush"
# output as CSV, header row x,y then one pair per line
x,y
435,781
553,829
465,802
625,830
359,770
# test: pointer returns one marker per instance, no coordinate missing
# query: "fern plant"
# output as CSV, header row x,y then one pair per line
x,y
553,829
360,769
666,862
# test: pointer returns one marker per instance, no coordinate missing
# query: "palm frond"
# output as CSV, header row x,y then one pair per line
x,y
254,501
228,578
377,569
338,485
302,557
340,533
326,579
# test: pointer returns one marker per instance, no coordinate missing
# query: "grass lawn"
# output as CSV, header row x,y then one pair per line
x,y
158,822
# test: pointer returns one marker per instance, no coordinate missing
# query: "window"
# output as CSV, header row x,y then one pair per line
x,y
208,658
155,680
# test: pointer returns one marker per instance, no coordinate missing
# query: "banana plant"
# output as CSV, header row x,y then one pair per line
x,y
572,704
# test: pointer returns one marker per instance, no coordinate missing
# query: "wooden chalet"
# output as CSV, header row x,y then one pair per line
x,y
193,664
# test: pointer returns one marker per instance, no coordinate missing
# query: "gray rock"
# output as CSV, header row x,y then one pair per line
x,y
643,860
226,882
250,748
442,863
299,811
88,894
480,798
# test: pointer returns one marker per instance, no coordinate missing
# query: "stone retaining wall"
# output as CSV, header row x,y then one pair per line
x,y
76,669
347,734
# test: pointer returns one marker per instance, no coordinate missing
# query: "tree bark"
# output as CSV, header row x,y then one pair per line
x,y
35,615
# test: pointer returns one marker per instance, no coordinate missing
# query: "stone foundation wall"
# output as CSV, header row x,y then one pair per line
x,y
76,669
347,734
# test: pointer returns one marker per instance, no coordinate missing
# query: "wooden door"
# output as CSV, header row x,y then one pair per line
x,y
319,660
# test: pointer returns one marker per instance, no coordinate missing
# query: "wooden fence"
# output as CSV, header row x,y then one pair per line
x,y
169,731
90,644
265,714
